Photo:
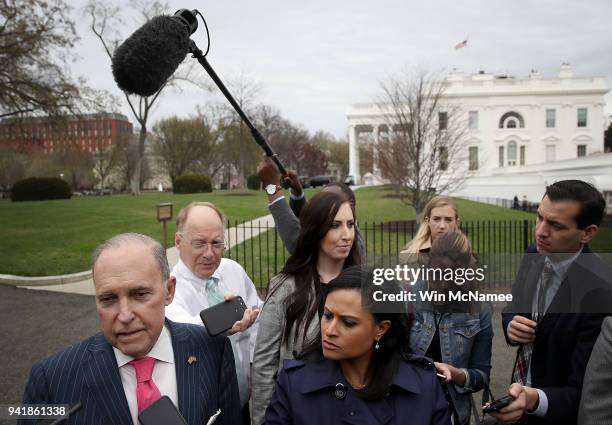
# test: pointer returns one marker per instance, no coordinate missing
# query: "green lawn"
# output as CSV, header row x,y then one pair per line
x,y
56,237
498,234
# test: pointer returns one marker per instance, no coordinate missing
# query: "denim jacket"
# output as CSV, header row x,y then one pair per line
x,y
465,343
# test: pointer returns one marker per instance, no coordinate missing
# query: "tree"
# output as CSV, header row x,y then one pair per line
x,y
183,143
105,19
339,154
36,42
31,79
312,159
109,159
239,149
336,151
425,150
76,165
12,167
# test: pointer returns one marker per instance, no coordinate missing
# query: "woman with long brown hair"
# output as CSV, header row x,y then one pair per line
x,y
290,316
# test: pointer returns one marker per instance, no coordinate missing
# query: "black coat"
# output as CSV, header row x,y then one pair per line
x,y
566,334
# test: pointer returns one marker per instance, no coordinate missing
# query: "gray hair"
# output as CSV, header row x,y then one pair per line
x,y
183,214
157,250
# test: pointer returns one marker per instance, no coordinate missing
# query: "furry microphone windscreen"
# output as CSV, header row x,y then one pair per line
x,y
143,63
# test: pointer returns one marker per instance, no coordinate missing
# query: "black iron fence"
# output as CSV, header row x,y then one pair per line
x,y
497,244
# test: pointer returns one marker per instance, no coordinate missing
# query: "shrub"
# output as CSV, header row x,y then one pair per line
x,y
191,183
40,188
253,182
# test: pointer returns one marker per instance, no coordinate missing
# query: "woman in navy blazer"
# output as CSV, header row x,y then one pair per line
x,y
359,370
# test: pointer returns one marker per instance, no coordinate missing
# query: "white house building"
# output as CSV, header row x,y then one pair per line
x,y
523,133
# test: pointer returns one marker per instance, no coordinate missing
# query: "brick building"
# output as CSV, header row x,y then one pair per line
x,y
90,132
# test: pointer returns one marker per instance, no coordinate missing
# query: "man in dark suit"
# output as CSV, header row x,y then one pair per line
x,y
139,355
560,297
596,403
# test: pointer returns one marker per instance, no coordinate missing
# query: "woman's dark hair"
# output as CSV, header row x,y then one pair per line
x,y
452,252
345,189
316,219
395,343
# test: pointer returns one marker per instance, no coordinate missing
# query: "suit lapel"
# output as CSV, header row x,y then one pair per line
x,y
102,377
531,283
187,374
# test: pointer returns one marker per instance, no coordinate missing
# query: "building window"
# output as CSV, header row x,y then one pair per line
x,y
522,155
501,157
551,118
443,158
473,120
581,150
551,153
511,154
442,120
473,154
511,123
515,116
582,117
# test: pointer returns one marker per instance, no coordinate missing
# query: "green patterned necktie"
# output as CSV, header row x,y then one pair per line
x,y
215,297
212,292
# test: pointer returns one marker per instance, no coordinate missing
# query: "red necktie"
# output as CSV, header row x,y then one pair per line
x,y
146,390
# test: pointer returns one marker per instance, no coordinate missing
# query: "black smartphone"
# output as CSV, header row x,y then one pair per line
x,y
497,405
221,317
161,412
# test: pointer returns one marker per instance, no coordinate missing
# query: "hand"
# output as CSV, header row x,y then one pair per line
x,y
445,370
451,373
293,181
248,318
525,399
522,330
268,172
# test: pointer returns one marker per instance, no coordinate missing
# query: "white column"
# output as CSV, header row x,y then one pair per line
x,y
375,167
354,154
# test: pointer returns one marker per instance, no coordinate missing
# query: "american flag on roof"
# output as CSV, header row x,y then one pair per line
x,y
461,45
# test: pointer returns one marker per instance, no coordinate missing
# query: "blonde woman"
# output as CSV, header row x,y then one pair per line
x,y
440,216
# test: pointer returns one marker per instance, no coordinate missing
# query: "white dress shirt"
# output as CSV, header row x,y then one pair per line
x,y
190,298
164,373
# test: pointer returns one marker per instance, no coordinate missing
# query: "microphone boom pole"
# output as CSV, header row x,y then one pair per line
x,y
259,138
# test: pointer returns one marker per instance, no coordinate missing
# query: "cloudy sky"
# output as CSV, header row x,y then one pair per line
x,y
314,58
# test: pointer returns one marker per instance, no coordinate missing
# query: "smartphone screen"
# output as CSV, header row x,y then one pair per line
x,y
221,317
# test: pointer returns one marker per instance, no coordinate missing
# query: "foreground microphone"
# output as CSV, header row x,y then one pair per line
x,y
145,61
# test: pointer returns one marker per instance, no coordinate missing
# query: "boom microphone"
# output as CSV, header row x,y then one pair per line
x,y
145,61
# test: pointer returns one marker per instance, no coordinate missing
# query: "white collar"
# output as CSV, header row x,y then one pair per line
x,y
197,283
186,273
162,350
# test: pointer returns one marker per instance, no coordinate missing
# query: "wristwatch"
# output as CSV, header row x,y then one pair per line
x,y
271,189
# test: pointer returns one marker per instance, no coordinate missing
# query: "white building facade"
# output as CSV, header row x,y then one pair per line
x,y
521,132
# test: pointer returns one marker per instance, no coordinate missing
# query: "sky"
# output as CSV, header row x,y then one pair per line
x,y
312,59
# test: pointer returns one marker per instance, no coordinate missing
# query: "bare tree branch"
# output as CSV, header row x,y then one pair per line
x,y
425,149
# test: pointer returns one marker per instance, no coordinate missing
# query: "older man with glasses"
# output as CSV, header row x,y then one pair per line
x,y
204,278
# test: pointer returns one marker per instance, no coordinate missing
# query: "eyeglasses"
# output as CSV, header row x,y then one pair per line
x,y
200,245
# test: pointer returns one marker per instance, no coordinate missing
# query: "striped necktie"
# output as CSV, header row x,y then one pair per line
x,y
525,351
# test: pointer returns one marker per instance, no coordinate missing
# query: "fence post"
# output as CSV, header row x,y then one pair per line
x,y
275,252
525,235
